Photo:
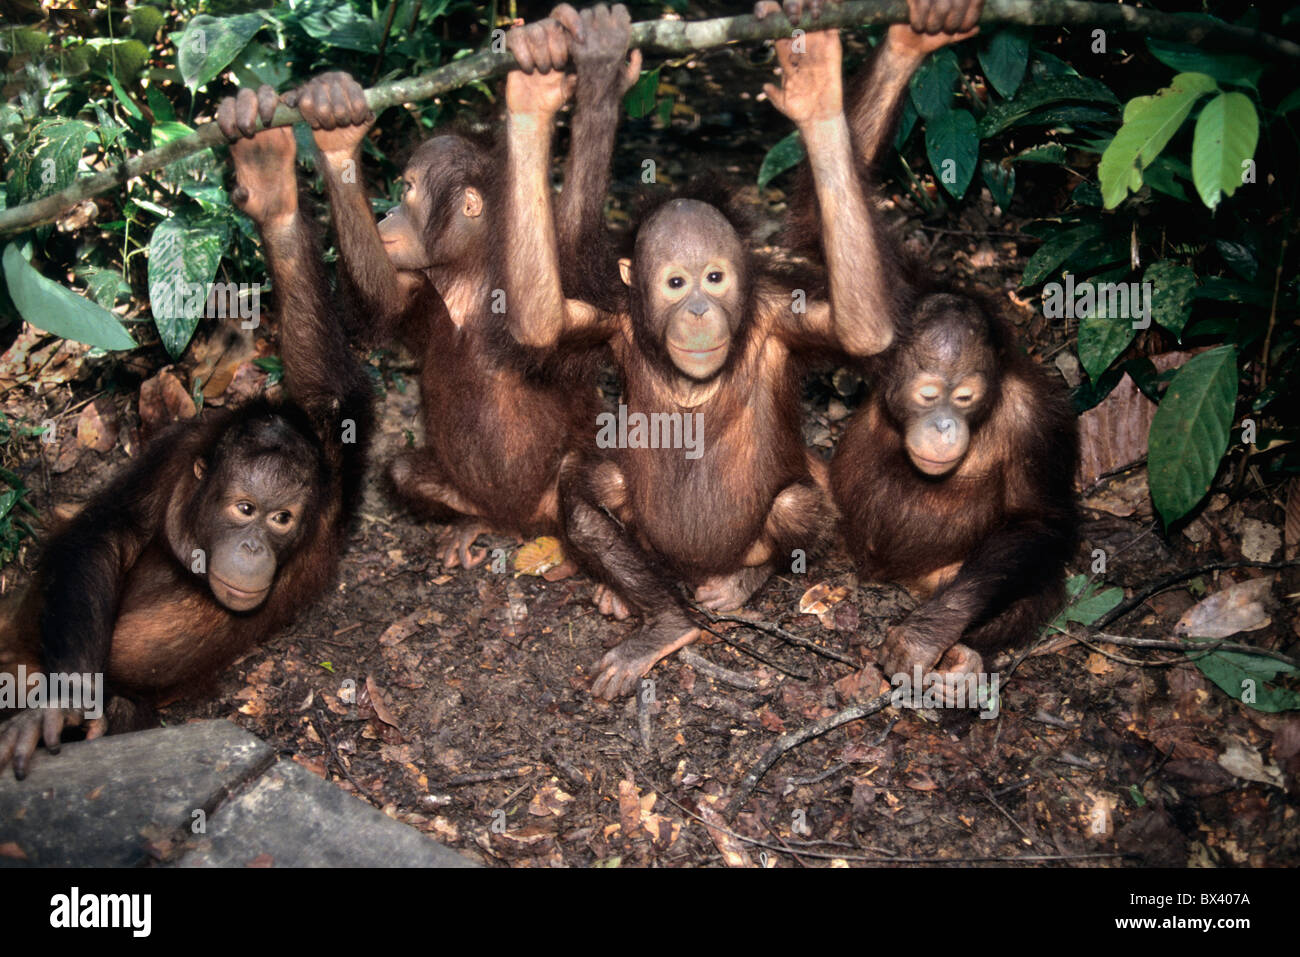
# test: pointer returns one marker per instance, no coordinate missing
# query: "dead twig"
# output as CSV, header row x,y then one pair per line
x,y
791,740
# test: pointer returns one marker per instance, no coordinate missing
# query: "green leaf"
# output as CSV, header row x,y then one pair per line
x,y
127,103
208,45
1086,602
1224,67
106,286
639,101
1227,132
1004,58
1102,338
55,309
1233,290
1067,116
1172,286
1001,181
47,160
1189,433
1289,102
338,24
1056,250
787,153
953,146
932,85
1053,153
1037,95
1231,670
1149,123
184,255
1240,257
1161,176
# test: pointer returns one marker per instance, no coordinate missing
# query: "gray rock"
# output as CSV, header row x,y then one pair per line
x,y
99,803
291,818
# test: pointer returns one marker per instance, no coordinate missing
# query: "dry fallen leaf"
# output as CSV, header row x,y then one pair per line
x,y
382,710
405,627
820,600
1236,608
539,556
97,425
731,848
549,801
1245,762
164,400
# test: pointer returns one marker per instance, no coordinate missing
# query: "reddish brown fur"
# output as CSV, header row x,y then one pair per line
x,y
1006,515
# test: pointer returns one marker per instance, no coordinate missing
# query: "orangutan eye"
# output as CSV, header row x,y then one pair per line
x,y
963,398
714,277
246,508
282,518
676,282
928,394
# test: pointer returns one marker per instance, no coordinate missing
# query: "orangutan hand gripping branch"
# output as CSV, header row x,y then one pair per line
x,y
706,335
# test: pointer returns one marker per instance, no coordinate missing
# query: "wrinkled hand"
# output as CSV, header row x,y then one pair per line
x,y
540,85
267,188
334,106
811,88
794,10
20,735
598,41
934,24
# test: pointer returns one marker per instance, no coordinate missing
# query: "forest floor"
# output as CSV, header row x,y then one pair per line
x,y
459,701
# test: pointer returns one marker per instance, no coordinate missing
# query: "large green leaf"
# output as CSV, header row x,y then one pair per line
x,y
338,24
1227,132
58,310
1149,123
953,146
184,255
1102,337
208,45
1056,250
1001,181
1035,96
1004,58
48,159
1225,67
1189,433
932,85
787,153
1172,285
639,101
1231,670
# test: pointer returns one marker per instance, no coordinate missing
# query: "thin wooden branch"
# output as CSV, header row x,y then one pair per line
x,y
678,37
792,739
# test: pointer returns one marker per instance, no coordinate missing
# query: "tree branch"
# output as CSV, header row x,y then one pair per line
x,y
677,36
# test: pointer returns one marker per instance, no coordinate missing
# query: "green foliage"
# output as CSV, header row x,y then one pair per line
x,y
57,309
1248,678
1086,601
640,100
1190,432
787,153
1149,124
